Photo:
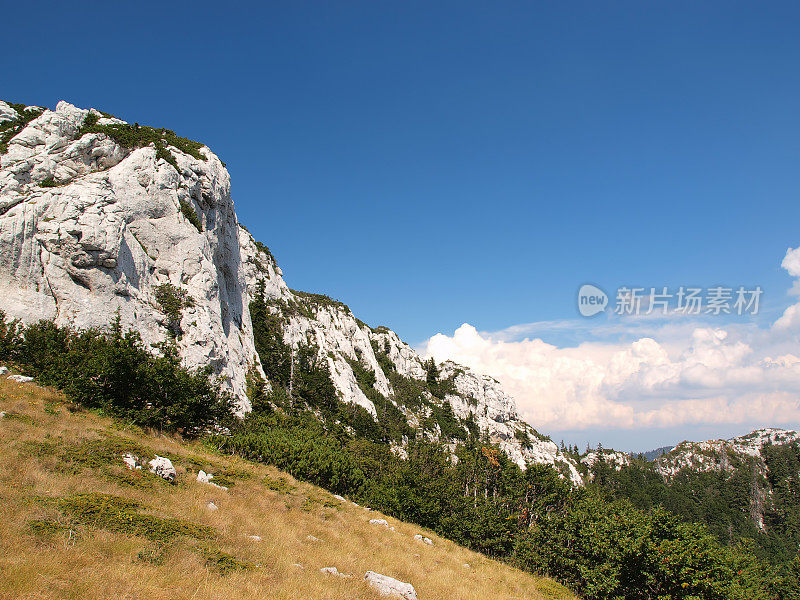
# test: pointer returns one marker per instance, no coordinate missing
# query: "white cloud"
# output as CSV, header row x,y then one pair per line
x,y
679,373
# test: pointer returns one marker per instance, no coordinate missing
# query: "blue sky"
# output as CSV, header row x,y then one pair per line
x,y
432,164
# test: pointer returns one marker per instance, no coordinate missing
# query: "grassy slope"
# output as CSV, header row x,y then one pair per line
x,y
49,450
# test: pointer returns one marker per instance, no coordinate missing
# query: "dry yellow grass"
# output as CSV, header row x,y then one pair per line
x,y
84,562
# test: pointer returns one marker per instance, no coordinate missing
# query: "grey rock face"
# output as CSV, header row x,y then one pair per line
x,y
111,232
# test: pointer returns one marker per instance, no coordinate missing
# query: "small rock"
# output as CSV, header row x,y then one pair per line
x,y
163,468
466,566
2,414
206,478
211,506
423,539
382,522
389,586
20,378
255,538
391,528
339,498
3,370
332,571
298,565
312,538
131,461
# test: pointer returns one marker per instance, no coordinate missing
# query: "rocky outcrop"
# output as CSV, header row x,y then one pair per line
x,y
90,229
343,339
614,458
723,455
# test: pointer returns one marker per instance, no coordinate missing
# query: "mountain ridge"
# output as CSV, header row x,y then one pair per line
x,y
100,218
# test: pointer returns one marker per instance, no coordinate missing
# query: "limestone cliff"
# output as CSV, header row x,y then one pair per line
x,y
90,228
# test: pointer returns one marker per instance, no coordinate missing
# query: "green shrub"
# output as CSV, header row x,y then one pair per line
x,y
172,301
191,215
280,485
122,515
163,152
10,337
222,562
138,136
8,129
114,371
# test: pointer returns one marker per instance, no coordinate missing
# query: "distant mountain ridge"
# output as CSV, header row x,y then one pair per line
x,y
719,455
654,454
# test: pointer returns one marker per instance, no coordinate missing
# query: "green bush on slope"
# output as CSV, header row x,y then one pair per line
x,y
113,371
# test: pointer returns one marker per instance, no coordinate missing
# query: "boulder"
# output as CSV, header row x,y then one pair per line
x,y
389,586
20,378
163,467
206,478
425,540
332,571
131,461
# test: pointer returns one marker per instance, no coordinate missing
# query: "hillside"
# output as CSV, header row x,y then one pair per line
x,y
129,285
743,487
59,544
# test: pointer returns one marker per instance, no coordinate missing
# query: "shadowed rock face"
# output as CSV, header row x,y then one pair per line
x,y
90,229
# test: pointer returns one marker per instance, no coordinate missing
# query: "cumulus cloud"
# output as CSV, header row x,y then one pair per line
x,y
680,373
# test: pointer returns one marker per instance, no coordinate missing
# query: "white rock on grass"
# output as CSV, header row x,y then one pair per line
x,y
381,522
312,538
3,370
206,478
211,506
131,461
339,498
162,467
254,538
389,586
20,378
332,571
423,539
